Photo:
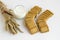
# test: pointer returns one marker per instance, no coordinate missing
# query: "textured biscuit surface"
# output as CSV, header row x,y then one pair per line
x,y
45,15
41,21
29,19
43,27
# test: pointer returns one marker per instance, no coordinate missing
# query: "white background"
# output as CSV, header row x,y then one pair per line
x,y
53,22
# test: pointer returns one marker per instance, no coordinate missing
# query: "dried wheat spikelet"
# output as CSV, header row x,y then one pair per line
x,y
8,14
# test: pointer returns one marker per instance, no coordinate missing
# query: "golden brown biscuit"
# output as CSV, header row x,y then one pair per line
x,y
29,19
43,27
45,15
41,21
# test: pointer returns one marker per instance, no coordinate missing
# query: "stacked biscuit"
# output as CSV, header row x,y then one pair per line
x,y
40,24
41,21
29,19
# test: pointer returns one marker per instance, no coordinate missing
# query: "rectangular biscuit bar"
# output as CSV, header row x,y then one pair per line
x,y
43,27
33,12
45,15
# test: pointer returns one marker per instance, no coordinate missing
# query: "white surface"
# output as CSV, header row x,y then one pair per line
x,y
53,22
